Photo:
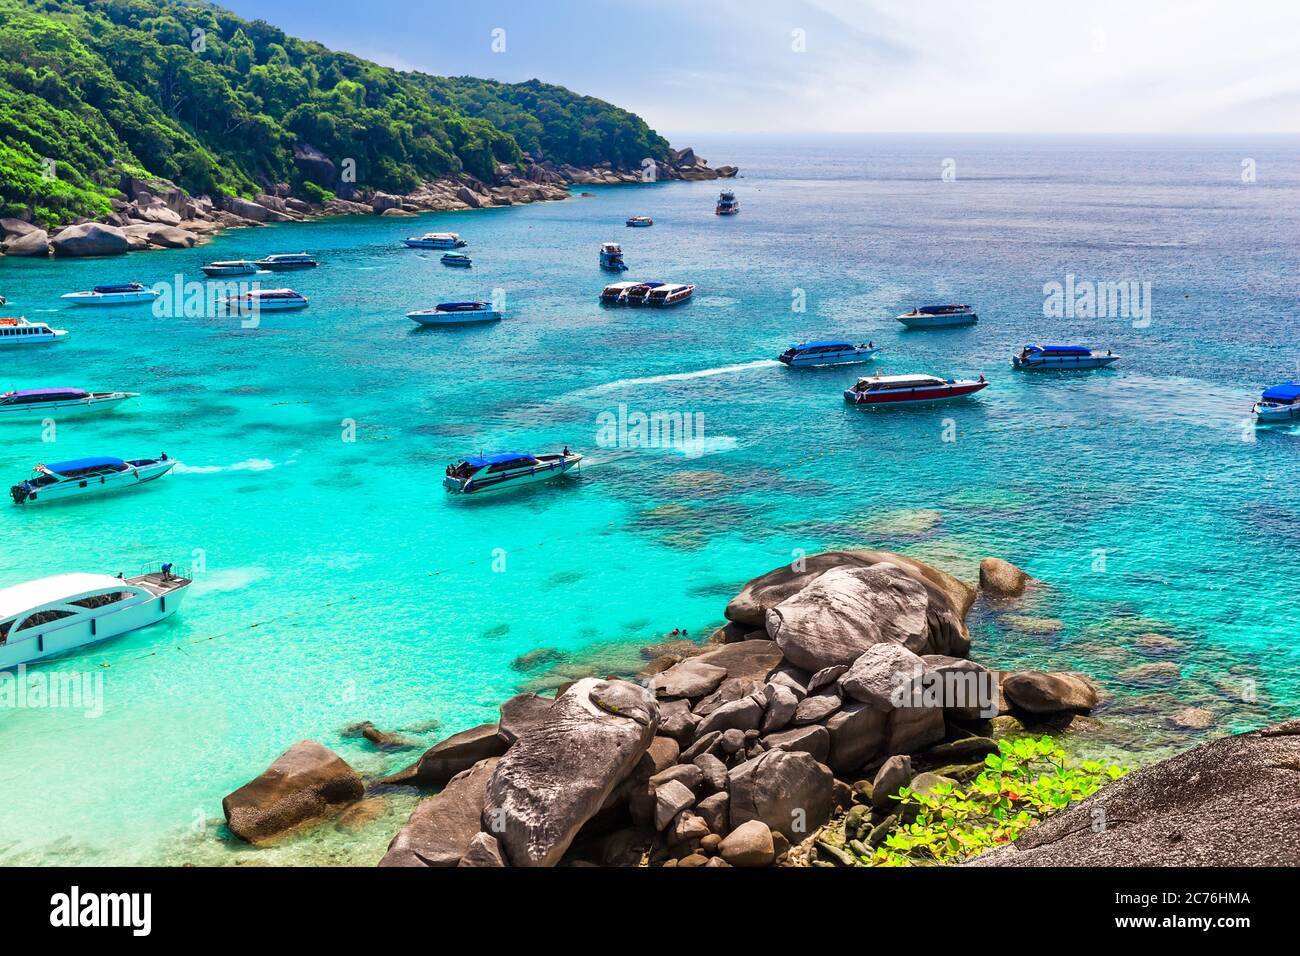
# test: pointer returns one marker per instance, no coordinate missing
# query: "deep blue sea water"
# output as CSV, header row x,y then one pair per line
x,y
340,583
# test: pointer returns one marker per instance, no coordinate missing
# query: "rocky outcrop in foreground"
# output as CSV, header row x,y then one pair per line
x,y
1231,802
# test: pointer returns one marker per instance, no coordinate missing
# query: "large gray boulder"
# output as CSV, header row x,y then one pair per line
x,y
1002,579
520,714
441,828
788,790
306,784
1230,802
857,733
559,773
883,676
449,757
743,714
246,209
691,678
844,611
1041,694
90,239
744,660
169,237
35,242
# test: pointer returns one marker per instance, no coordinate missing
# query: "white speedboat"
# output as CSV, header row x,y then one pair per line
x,y
38,403
611,257
88,476
128,293
669,293
828,352
1057,358
266,300
287,262
1280,403
939,316
21,332
640,221
456,259
507,469
616,292
231,267
455,313
910,390
54,615
435,240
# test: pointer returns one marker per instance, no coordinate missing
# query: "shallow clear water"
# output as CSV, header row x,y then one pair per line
x,y
340,583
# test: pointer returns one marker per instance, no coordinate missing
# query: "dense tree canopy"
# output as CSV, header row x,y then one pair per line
x,y
188,91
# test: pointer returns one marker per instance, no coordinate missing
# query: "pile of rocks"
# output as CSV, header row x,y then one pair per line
x,y
735,756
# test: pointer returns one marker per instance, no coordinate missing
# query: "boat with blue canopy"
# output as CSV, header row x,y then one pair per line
x,y
1279,403
1058,358
827,352
506,469
85,476
123,293
456,313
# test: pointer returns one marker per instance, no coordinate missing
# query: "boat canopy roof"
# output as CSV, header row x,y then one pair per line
x,y
78,464
941,309
902,380
1286,392
461,306
497,458
51,392
1060,349
55,589
120,287
824,343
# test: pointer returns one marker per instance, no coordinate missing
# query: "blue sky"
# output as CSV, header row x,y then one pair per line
x,y
797,66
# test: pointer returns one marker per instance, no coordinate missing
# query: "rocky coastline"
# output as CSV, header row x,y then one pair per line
x,y
156,214
781,740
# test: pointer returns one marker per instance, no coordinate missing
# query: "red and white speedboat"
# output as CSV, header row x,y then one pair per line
x,y
910,390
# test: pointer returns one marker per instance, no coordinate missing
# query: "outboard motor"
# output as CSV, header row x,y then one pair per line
x,y
20,492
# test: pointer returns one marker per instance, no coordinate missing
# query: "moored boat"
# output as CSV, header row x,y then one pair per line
x,y
53,615
456,259
507,469
1279,403
435,240
910,390
611,257
57,402
86,476
287,262
640,221
1057,358
266,300
616,292
231,267
827,352
21,332
727,204
456,313
669,293
939,316
126,293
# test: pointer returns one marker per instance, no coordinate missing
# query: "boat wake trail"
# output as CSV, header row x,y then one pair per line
x,y
252,464
683,376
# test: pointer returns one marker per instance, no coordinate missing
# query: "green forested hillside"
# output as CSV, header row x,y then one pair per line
x,y
186,90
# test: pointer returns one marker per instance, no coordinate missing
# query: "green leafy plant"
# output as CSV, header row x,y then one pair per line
x,y
1026,781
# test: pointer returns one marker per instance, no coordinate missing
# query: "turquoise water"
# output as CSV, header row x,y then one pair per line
x,y
339,583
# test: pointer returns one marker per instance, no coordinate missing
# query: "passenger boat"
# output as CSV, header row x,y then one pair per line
x,y
1061,358
456,313
507,469
646,293
84,476
616,292
829,352
287,262
127,293
266,300
939,316
1280,403
910,390
611,256
727,204
456,259
640,221
57,402
54,615
21,332
231,267
669,293
435,240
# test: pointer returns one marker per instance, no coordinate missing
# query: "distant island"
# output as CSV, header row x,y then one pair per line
x,y
167,120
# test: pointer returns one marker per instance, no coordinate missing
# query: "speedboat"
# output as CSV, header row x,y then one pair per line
x,y
669,293
21,332
287,262
640,221
727,204
506,469
456,313
54,615
266,300
127,293
1280,403
616,292
1061,358
456,259
57,402
231,267
85,476
939,316
611,256
435,240
910,390
639,293
829,352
